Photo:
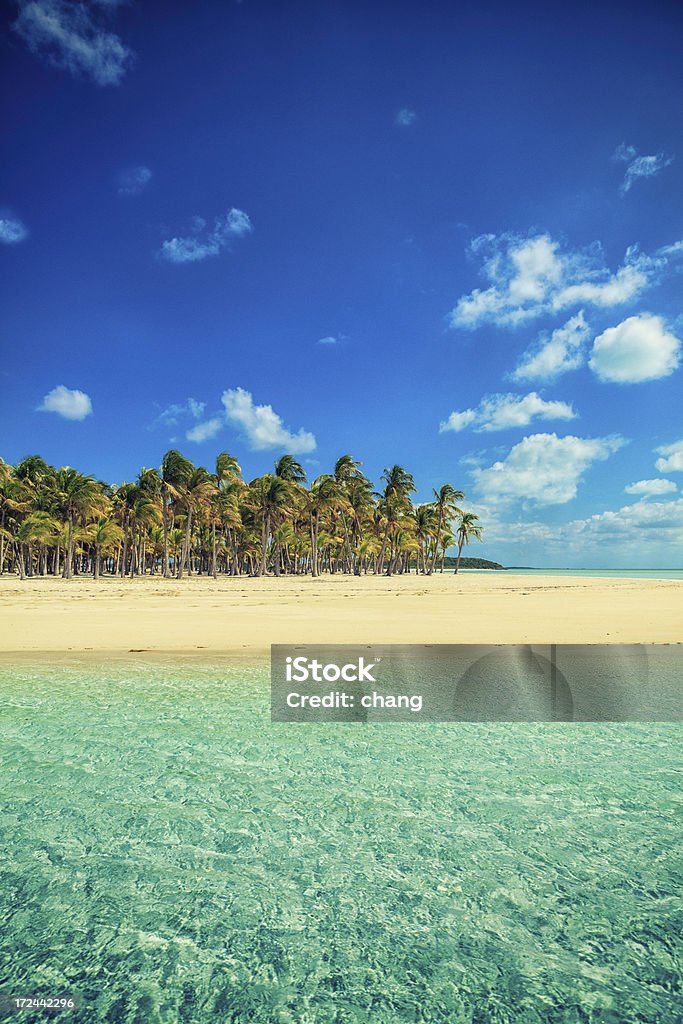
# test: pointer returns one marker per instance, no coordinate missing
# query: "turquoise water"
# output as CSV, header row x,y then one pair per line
x,y
631,574
172,856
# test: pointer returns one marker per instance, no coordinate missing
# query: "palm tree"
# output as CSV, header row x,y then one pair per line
x,y
360,503
320,497
195,494
103,535
425,530
176,470
468,529
144,514
395,500
399,527
217,523
269,497
398,483
38,527
123,501
349,480
346,468
176,539
445,502
367,549
227,480
287,468
228,469
34,469
14,499
155,540
447,541
79,495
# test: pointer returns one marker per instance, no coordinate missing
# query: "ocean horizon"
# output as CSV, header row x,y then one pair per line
x,y
637,574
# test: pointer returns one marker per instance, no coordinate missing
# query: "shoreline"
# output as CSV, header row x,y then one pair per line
x,y
242,616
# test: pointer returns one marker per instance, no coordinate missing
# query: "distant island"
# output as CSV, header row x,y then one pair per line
x,y
471,563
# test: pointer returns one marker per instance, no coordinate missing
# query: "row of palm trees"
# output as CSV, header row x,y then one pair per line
x,y
182,519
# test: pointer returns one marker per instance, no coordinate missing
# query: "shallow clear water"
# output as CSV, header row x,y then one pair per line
x,y
618,574
171,855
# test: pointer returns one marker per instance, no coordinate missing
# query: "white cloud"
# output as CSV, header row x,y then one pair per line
x,y
543,469
654,527
188,250
672,458
235,224
202,244
68,403
262,426
530,277
458,421
638,349
675,249
639,166
501,412
647,487
71,36
564,350
12,231
134,181
625,284
330,340
204,431
624,153
405,117
169,416
643,522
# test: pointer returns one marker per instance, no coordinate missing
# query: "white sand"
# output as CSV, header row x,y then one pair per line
x,y
247,615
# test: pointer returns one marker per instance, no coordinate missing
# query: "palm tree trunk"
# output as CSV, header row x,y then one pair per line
x,y
186,545
457,563
346,546
213,549
164,513
133,553
68,572
380,557
124,553
22,568
235,567
315,523
436,542
265,531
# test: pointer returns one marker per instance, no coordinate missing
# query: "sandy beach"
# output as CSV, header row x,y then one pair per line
x,y
246,615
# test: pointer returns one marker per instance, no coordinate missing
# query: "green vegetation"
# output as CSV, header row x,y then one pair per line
x,y
471,563
184,519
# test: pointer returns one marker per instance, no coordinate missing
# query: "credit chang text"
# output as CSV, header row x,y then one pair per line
x,y
369,701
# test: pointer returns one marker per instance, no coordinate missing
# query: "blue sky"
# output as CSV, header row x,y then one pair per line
x,y
445,235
